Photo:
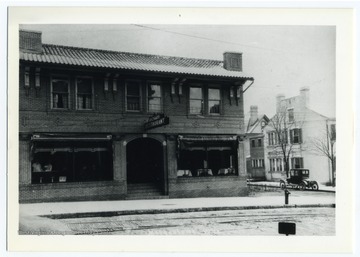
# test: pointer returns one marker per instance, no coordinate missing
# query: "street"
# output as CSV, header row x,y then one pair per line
x,y
309,221
261,220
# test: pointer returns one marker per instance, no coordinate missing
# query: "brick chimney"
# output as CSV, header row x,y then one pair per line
x,y
253,113
233,61
30,41
279,99
305,95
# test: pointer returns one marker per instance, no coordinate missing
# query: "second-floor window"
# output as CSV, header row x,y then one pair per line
x,y
291,115
272,138
133,96
196,100
214,101
60,92
84,94
296,136
154,98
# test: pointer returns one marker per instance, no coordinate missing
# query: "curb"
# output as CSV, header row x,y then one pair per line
x,y
272,186
178,210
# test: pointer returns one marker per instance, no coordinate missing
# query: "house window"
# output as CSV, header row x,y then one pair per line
x,y
297,163
253,143
214,101
296,136
259,142
60,92
84,94
133,96
291,115
196,100
272,138
154,98
279,165
332,132
257,163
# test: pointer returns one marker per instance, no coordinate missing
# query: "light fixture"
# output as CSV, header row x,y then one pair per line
x,y
37,78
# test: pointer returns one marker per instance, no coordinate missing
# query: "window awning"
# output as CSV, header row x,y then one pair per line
x,y
207,138
68,137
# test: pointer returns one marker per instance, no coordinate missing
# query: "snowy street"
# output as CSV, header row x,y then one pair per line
x,y
260,222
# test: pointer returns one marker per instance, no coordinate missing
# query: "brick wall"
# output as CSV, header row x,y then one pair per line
x,y
207,187
109,114
82,191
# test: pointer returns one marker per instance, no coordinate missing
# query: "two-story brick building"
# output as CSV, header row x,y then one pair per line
x,y
96,124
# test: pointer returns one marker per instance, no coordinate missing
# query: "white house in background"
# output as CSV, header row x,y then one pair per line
x,y
301,127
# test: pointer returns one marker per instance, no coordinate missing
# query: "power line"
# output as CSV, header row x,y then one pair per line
x,y
205,38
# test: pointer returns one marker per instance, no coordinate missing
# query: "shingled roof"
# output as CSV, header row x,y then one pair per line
x,y
66,55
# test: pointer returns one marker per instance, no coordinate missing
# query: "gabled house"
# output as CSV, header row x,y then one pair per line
x,y
255,158
96,124
290,139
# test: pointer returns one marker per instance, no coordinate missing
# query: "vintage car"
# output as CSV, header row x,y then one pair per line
x,y
299,178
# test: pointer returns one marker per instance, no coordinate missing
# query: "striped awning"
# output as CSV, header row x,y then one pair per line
x,y
207,138
72,137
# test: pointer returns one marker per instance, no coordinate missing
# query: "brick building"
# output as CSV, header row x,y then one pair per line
x,y
97,124
255,157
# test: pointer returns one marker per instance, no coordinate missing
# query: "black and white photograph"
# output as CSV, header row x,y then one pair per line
x,y
163,129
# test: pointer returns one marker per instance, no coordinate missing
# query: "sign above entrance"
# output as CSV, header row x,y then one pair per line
x,y
157,120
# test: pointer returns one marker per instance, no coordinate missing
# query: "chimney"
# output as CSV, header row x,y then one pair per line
x,y
30,41
253,113
279,99
305,95
233,61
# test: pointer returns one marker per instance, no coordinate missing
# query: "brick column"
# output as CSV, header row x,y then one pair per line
x,y
171,157
119,161
24,163
241,158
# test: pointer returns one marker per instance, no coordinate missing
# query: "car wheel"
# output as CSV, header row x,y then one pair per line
x,y
302,186
315,186
282,185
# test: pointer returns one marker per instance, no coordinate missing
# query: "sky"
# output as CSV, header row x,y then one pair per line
x,y
281,59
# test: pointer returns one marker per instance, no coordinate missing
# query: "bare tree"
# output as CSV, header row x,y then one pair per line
x,y
325,145
283,125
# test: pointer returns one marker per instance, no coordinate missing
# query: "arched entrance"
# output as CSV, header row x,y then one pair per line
x,y
145,163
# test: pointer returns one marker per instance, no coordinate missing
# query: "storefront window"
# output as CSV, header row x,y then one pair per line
x,y
207,159
55,162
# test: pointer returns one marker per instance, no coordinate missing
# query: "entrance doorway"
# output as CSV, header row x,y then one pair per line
x,y
145,163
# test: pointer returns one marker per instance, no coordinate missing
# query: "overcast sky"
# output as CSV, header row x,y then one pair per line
x,y
281,59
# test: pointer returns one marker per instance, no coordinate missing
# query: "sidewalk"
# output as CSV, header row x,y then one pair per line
x,y
277,184
127,207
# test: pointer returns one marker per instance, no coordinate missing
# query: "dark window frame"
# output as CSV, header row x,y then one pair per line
x,y
77,94
155,83
68,93
140,97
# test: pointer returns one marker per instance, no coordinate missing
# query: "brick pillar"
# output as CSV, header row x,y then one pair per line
x,y
24,163
171,158
241,158
119,161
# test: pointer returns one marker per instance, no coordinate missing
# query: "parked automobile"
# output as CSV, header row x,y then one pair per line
x,y
299,179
